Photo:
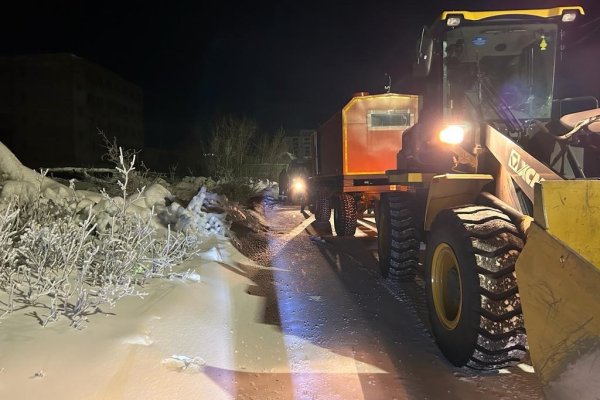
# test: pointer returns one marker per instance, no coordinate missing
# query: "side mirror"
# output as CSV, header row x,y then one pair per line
x,y
422,65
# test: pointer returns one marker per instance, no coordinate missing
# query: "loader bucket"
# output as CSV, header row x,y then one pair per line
x,y
559,284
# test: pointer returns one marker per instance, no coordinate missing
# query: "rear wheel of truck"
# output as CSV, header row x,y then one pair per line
x,y
398,239
344,215
322,208
471,287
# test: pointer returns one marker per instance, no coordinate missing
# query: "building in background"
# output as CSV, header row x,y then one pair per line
x,y
299,143
52,106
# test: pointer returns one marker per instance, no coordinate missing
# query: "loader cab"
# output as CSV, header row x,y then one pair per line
x,y
485,67
497,65
503,74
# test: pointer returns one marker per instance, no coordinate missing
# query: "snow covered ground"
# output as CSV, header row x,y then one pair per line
x,y
184,339
151,348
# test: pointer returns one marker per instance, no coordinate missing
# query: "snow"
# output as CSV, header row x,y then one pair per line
x,y
159,346
194,333
182,341
143,348
194,219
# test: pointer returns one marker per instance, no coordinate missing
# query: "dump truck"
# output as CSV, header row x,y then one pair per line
x,y
503,191
351,152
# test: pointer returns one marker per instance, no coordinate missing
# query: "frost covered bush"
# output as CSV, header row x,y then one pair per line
x,y
8,253
139,178
69,253
68,258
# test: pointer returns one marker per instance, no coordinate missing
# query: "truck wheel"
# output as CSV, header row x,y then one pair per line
x,y
397,237
472,293
322,208
344,215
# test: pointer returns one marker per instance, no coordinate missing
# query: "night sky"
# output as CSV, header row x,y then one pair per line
x,y
289,64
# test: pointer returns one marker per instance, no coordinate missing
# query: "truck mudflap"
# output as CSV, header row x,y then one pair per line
x,y
559,284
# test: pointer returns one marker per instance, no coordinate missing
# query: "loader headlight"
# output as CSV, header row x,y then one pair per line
x,y
453,21
569,16
452,134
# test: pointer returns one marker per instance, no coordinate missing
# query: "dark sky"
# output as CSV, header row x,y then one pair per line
x,y
283,63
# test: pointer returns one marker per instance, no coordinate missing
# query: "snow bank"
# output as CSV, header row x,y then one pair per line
x,y
196,218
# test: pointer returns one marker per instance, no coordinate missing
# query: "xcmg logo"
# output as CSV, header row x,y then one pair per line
x,y
521,168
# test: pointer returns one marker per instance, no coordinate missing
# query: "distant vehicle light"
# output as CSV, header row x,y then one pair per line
x,y
452,134
569,17
298,185
455,21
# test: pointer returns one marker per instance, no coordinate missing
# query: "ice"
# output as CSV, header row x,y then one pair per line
x,y
141,340
179,363
211,255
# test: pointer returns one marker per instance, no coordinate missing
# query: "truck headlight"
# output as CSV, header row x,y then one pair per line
x,y
452,134
298,185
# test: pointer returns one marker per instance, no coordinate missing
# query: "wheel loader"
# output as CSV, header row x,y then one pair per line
x,y
504,194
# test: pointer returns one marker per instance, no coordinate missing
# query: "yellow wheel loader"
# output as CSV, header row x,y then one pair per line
x,y
504,193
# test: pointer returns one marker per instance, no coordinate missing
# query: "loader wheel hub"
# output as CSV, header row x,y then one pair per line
x,y
446,286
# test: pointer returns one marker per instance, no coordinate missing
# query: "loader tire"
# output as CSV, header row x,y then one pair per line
x,y
344,215
472,294
322,208
398,239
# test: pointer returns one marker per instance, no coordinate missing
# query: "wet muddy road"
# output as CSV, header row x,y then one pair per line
x,y
325,292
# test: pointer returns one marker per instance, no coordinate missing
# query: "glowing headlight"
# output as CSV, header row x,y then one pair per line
x,y
298,185
452,134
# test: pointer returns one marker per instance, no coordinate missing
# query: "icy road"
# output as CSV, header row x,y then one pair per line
x,y
346,332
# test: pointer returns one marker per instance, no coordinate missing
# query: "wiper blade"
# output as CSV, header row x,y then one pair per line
x,y
495,102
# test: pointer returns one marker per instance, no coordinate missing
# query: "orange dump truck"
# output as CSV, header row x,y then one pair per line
x,y
352,151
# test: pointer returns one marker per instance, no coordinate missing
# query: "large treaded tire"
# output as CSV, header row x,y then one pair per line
x,y
344,215
474,307
322,208
398,238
